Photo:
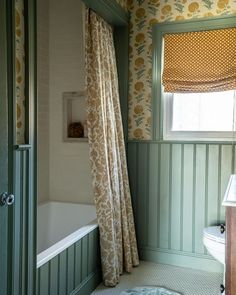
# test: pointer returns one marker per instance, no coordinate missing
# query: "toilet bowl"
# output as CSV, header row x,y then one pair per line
x,y
214,241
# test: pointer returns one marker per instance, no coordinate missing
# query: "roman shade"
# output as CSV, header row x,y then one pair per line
x,y
203,61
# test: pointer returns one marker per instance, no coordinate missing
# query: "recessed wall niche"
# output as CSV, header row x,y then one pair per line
x,y
74,118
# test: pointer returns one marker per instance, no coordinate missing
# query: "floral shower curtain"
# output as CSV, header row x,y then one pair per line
x,y
107,153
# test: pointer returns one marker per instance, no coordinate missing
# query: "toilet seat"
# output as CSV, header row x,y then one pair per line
x,y
213,233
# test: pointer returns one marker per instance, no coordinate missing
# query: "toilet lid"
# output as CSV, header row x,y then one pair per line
x,y
213,233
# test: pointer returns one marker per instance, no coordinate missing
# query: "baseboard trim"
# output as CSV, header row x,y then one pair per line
x,y
174,259
89,284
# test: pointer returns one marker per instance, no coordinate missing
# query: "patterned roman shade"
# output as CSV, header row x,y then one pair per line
x,y
203,61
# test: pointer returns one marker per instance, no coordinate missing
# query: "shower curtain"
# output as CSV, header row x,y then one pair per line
x,y
107,153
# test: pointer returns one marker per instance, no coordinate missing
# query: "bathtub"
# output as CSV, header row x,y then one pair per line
x,y
68,259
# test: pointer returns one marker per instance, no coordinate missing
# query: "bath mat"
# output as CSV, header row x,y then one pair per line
x,y
148,291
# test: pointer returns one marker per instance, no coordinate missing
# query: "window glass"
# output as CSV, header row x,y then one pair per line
x,y
199,116
203,111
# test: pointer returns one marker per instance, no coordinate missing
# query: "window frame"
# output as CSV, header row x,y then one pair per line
x,y
158,95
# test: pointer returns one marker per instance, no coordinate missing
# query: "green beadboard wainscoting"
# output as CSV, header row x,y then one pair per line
x,y
23,232
177,190
76,270
177,187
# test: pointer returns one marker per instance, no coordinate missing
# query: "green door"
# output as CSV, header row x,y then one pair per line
x,y
17,161
4,209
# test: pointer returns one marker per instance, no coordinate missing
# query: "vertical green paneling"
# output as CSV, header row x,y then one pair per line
x,y
133,170
22,228
62,267
234,159
85,242
199,199
213,178
175,224
92,253
44,280
74,270
37,285
152,229
164,210
17,232
70,269
226,170
78,262
177,190
142,201
22,247
54,282
186,230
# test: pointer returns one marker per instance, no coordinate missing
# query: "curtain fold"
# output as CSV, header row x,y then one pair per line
x,y
202,61
107,153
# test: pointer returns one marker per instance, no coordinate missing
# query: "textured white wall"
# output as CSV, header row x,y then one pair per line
x,y
43,99
70,178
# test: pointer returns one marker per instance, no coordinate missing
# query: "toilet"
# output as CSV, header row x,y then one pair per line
x,y
214,241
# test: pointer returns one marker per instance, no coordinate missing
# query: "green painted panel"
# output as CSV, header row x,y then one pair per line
x,y
188,207
164,210
199,220
97,249
201,263
22,248
44,280
133,171
70,269
37,285
213,178
62,273
88,286
78,263
152,226
54,282
234,159
175,189
175,205
92,252
226,170
22,228
142,194
16,223
85,244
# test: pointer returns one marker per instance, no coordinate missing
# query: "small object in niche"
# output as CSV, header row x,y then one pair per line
x,y
75,130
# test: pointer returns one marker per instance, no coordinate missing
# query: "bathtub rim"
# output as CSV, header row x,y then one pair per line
x,y
51,252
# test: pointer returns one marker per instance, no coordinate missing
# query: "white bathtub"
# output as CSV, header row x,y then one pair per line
x,y
60,225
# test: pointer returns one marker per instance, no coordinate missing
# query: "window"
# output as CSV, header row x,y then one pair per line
x,y
199,115
194,80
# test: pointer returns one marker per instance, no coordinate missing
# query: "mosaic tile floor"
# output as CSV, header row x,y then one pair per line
x,y
183,280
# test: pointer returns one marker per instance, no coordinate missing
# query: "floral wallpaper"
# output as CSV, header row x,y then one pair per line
x,y
20,71
122,3
145,13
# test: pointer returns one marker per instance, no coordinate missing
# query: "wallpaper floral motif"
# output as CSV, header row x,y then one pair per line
x,y
122,3
145,13
20,71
